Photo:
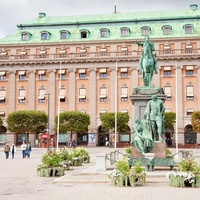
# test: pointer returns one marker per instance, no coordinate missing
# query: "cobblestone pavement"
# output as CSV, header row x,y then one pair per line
x,y
19,181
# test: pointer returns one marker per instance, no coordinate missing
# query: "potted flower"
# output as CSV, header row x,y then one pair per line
x,y
124,176
188,174
137,174
51,164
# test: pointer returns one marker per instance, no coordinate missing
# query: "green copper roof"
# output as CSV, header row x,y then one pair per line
x,y
113,22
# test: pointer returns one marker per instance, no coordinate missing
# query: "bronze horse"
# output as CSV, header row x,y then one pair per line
x,y
148,65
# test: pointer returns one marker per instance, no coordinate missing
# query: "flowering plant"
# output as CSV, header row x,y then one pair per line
x,y
189,177
114,174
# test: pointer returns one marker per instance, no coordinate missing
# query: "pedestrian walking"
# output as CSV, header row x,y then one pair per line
x,y
23,148
13,151
7,150
28,149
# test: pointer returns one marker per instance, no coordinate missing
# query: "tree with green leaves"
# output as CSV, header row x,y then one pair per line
x,y
108,121
196,121
169,120
26,121
73,122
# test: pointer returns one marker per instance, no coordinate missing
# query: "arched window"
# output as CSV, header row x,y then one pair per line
x,y
64,34
145,30
125,32
104,32
166,30
188,28
84,33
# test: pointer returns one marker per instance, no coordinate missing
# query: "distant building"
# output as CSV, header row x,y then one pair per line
x,y
84,52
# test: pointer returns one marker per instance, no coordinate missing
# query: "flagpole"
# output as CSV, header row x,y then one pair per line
x,y
58,123
116,105
176,108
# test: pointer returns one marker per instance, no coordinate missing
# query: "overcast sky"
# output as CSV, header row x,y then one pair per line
x,y
13,12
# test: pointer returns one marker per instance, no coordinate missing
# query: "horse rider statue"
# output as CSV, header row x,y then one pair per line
x,y
147,62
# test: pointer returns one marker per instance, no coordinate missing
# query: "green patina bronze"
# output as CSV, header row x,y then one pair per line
x,y
147,63
151,127
142,139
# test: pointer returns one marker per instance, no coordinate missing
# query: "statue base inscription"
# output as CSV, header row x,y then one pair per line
x,y
159,149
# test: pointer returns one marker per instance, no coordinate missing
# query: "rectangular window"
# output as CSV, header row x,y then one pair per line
x,y
124,94
124,111
190,92
2,76
189,71
124,137
41,95
123,72
41,74
62,94
21,96
2,96
82,73
62,74
82,95
102,112
168,92
189,111
102,73
103,94
167,71
22,75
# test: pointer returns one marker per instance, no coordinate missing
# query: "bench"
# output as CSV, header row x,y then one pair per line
x,y
165,162
143,162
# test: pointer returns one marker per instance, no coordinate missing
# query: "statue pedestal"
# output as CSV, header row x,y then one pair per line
x,y
150,156
159,151
141,96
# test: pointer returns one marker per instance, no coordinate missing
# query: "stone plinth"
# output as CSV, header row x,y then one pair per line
x,y
159,150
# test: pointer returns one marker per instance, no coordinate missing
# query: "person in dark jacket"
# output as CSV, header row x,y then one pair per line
x,y
28,150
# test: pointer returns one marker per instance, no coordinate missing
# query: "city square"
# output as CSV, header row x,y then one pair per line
x,y
19,180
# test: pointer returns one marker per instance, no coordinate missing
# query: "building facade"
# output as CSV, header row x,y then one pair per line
x,y
86,63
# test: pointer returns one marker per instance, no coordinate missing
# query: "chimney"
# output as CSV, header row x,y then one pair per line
x,y
193,7
41,15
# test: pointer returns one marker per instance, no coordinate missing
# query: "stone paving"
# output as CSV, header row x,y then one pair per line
x,y
19,181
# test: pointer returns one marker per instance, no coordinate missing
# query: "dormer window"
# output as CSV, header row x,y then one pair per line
x,y
145,30
64,34
104,32
25,36
166,30
125,32
45,35
84,33
188,29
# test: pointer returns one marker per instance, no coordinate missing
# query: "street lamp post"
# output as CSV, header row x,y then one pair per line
x,y
48,127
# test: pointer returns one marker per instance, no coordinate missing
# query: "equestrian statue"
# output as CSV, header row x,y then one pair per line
x,y
147,63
